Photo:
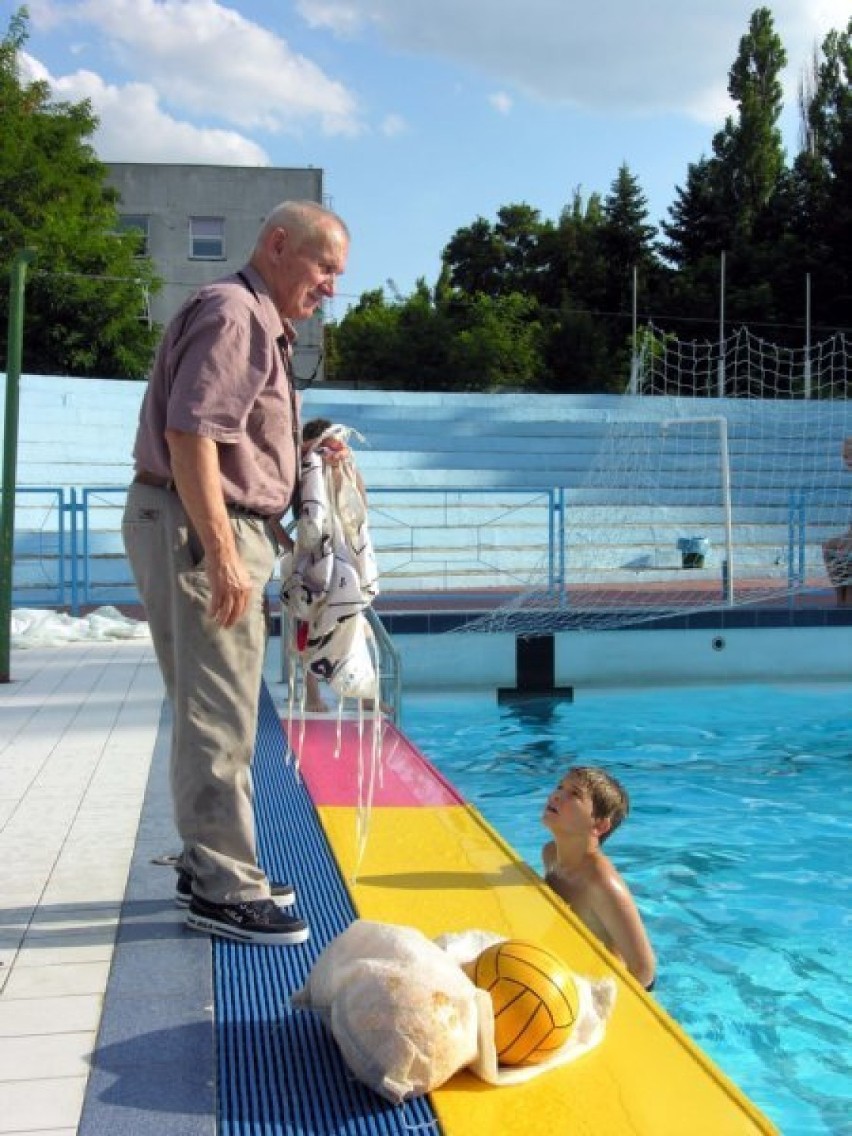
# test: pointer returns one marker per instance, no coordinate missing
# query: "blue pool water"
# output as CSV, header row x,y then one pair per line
x,y
736,848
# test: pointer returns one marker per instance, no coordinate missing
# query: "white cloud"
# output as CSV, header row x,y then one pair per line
x,y
134,128
207,60
501,102
615,55
342,18
711,105
393,125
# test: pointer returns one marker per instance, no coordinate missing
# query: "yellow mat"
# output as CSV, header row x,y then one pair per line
x,y
444,869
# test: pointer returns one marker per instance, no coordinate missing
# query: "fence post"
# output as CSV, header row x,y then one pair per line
x,y
560,545
792,516
14,348
75,564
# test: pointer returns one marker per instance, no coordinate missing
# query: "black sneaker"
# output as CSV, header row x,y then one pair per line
x,y
283,894
258,921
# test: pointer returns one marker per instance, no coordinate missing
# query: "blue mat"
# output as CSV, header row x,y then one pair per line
x,y
279,1070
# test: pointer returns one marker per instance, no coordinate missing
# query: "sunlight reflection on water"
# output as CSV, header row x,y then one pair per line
x,y
735,849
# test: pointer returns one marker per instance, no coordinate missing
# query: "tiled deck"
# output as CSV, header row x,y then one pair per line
x,y
79,726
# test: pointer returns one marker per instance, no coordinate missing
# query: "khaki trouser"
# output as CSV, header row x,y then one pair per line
x,y
212,677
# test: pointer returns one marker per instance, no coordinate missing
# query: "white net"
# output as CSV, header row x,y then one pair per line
x,y
695,501
741,365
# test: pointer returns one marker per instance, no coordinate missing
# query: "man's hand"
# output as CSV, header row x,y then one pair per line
x,y
195,466
332,450
231,590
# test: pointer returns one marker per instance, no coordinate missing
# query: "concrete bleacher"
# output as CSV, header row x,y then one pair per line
x,y
467,490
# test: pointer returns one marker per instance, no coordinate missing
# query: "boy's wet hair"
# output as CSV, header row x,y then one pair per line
x,y
315,428
609,797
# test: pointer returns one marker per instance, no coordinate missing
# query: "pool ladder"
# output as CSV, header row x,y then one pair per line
x,y
389,664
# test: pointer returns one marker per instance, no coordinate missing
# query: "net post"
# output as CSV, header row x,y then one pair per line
x,y
807,335
634,357
721,372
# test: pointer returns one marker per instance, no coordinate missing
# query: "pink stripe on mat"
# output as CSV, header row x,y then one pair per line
x,y
408,779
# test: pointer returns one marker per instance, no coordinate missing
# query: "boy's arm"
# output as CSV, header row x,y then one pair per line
x,y
620,916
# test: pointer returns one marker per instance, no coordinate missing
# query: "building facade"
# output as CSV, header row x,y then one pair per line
x,y
198,223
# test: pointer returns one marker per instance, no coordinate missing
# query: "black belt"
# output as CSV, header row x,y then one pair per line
x,y
244,511
145,478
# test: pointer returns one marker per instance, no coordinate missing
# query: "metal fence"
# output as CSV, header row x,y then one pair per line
x,y
68,550
460,542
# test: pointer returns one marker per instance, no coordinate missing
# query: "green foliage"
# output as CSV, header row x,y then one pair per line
x,y
527,303
501,259
577,354
496,344
365,344
455,342
749,149
87,288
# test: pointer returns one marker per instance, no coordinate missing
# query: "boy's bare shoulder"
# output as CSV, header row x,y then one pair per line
x,y
608,892
605,875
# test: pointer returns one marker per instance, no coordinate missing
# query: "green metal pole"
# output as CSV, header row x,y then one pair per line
x,y
10,451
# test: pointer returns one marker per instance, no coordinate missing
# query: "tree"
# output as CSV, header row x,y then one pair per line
x,y
807,225
827,107
699,225
85,301
749,150
424,342
572,252
365,345
473,261
627,243
831,118
577,354
498,259
497,345
729,202
626,236
525,302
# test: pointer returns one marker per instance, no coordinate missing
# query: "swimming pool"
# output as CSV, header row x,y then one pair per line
x,y
736,850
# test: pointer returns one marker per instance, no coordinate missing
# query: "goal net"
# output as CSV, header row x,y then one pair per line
x,y
716,483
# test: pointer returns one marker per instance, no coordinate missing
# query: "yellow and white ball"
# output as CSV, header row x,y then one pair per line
x,y
535,998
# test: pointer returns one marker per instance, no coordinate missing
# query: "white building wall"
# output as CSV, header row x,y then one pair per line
x,y
169,195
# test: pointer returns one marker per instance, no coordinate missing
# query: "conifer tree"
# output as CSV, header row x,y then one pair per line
x,y
748,148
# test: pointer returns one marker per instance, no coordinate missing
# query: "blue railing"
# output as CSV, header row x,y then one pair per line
x,y
433,542
69,551
807,513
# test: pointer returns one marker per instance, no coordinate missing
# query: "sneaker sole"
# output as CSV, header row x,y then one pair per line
x,y
287,900
238,935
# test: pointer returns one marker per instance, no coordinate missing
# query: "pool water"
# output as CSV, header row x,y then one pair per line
x,y
736,849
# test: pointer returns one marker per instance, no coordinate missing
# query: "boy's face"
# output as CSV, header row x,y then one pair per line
x,y
569,811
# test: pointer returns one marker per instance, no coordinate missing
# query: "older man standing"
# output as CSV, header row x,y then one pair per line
x,y
216,459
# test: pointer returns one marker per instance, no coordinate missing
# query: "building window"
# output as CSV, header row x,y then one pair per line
x,y
137,222
207,238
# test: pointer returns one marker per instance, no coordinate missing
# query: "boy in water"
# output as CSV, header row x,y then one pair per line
x,y
585,808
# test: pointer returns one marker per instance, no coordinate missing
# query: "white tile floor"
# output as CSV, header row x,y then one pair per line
x,y
78,724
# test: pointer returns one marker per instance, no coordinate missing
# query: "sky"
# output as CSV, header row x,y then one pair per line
x,y
424,115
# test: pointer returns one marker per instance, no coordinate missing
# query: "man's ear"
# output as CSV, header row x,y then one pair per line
x,y
279,241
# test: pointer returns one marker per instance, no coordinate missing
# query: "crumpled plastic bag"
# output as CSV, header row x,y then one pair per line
x,y
36,627
407,1017
404,1014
